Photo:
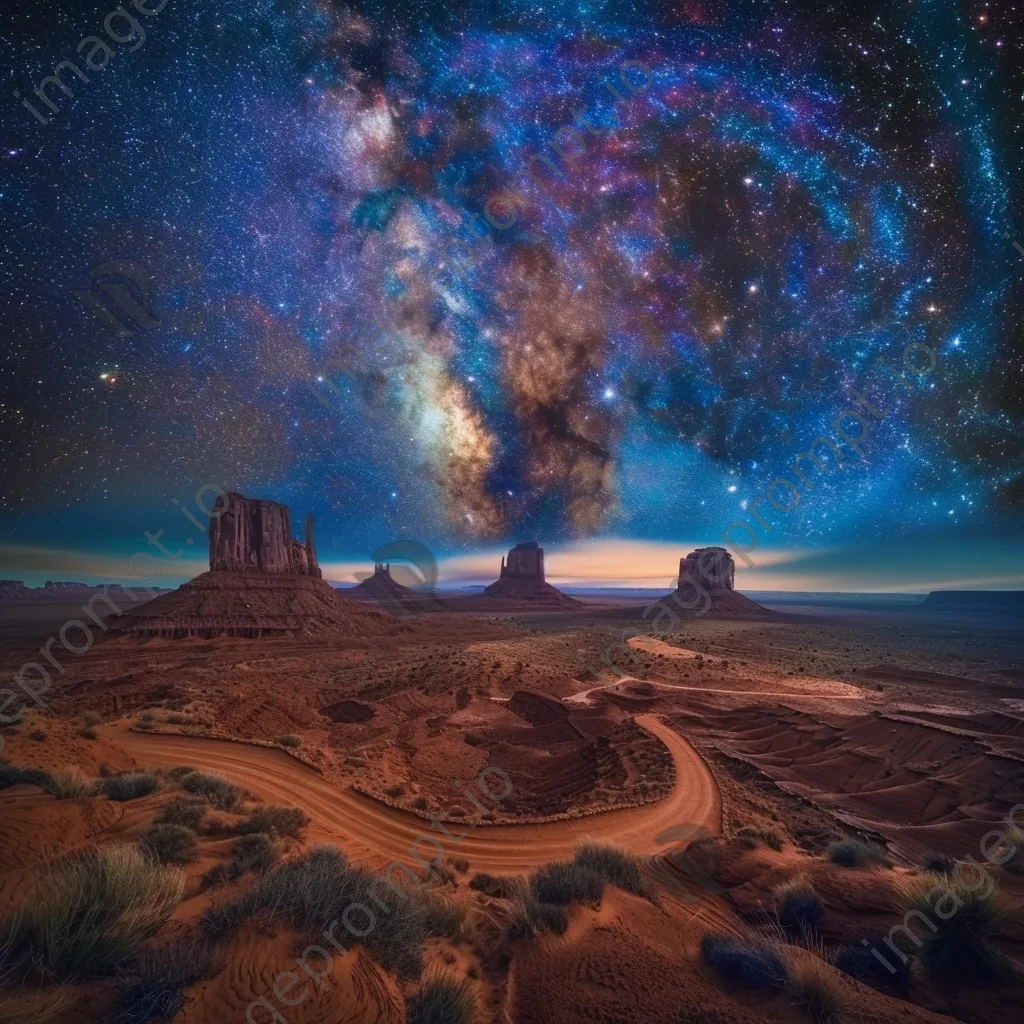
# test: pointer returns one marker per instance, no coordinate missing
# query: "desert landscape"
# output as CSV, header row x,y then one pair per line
x,y
512,512
292,804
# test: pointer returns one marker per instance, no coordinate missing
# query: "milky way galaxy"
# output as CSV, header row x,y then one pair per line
x,y
492,273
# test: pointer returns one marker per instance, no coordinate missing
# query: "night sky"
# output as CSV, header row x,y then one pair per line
x,y
360,303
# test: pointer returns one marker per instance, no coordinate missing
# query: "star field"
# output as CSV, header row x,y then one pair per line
x,y
504,271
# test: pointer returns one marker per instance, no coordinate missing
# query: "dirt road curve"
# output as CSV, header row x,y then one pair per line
x,y
375,834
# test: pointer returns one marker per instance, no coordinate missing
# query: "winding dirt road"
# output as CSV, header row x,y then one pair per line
x,y
375,834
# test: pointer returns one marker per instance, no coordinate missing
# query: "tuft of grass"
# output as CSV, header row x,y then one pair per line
x,y
183,810
12,776
1015,862
92,718
442,1001
70,784
317,887
960,948
854,853
938,863
171,844
395,792
496,886
38,735
753,962
87,733
292,741
255,851
860,963
565,882
90,912
817,991
221,793
151,989
130,785
460,864
616,867
282,821
798,906
750,836
219,874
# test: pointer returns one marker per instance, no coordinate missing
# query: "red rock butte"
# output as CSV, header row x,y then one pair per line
x,y
706,586
391,595
262,581
522,579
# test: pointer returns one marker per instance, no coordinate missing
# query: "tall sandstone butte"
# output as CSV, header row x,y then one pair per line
x,y
522,579
253,535
713,567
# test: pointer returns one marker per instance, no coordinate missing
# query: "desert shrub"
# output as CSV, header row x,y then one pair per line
x,y
253,852
938,863
292,741
442,1001
38,735
70,784
854,853
183,810
1013,849
91,911
171,844
219,874
12,776
860,963
316,888
750,836
565,882
798,906
460,864
529,916
420,803
817,991
395,792
282,821
177,719
960,947
221,793
87,733
130,785
152,987
616,867
92,718
496,886
753,962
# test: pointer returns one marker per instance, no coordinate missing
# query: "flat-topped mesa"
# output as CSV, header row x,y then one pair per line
x,y
253,535
525,561
522,579
13,589
712,567
706,586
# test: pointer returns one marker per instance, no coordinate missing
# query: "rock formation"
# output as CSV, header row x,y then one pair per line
x,y
261,581
255,535
714,568
392,596
13,590
706,586
64,587
522,579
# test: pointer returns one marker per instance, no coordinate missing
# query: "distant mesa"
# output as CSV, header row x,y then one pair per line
x,y
706,586
262,581
64,587
13,590
391,595
522,579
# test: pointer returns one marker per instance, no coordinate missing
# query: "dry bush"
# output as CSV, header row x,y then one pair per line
x,y
91,911
281,821
71,784
817,990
